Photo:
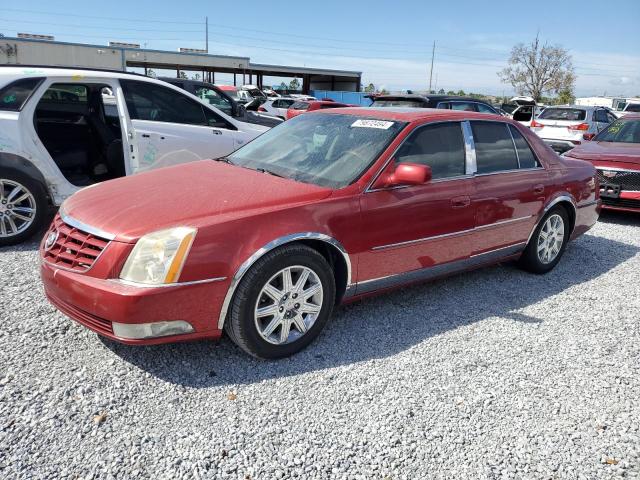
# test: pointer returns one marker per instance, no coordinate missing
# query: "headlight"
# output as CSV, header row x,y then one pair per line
x,y
158,257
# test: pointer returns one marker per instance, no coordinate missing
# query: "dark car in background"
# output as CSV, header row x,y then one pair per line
x,y
214,95
449,102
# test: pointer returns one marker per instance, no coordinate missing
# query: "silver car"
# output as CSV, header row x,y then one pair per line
x,y
562,128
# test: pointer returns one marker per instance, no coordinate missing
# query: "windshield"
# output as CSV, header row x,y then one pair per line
x,y
620,131
327,150
569,114
400,102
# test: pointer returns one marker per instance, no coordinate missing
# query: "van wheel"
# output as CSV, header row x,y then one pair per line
x,y
547,243
23,205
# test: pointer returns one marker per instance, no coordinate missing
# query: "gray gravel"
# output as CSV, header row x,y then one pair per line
x,y
491,374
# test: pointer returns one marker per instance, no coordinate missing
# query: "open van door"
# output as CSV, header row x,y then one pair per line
x,y
524,112
129,135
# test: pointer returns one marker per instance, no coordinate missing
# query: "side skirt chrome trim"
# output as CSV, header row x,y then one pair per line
x,y
453,234
235,281
439,270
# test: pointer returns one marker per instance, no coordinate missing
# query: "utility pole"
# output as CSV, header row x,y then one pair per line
x,y
206,26
433,52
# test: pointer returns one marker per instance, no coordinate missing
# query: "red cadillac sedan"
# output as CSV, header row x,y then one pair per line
x,y
326,208
615,152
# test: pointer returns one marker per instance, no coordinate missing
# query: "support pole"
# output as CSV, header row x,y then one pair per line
x,y
206,26
433,52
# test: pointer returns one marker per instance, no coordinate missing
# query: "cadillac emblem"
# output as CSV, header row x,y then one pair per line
x,y
51,239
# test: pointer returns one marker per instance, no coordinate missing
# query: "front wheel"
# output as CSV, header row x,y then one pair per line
x,y
548,242
283,302
23,205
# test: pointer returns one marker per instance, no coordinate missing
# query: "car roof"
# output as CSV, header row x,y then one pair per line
x,y
413,96
412,114
574,107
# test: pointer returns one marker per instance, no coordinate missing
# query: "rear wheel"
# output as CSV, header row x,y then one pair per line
x,y
23,204
547,243
282,303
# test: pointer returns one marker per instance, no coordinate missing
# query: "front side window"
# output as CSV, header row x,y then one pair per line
x,y
327,150
464,106
212,97
66,93
482,108
525,154
15,95
440,146
494,147
147,101
623,131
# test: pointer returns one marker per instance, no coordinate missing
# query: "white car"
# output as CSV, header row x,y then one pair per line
x,y
562,128
277,106
64,129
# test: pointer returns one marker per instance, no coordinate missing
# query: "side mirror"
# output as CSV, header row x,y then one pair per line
x,y
241,111
588,136
409,174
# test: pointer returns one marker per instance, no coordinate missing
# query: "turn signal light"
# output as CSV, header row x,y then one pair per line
x,y
582,126
535,124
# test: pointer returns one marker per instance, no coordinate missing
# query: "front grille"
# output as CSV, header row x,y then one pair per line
x,y
97,324
621,202
73,249
629,181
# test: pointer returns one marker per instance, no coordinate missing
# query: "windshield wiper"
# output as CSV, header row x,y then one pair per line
x,y
264,170
224,159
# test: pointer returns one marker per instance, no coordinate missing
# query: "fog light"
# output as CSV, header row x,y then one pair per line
x,y
151,330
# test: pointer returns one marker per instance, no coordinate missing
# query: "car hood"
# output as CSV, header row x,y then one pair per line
x,y
628,153
194,194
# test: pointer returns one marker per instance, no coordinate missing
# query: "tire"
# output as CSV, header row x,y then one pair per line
x,y
14,229
250,330
534,259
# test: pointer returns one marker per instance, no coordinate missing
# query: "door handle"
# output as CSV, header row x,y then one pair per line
x,y
538,189
145,135
461,202
216,132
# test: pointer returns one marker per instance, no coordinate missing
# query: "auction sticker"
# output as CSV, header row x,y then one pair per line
x,y
365,123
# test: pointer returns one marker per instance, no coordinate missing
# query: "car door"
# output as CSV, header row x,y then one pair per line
x,y
170,128
421,227
510,187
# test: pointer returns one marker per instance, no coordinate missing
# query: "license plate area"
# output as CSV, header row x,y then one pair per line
x,y
609,190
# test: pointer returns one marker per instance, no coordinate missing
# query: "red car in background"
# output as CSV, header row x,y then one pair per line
x,y
309,106
326,208
615,152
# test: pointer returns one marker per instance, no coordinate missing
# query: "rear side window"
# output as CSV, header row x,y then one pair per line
x,y
66,93
439,146
14,96
569,114
482,108
147,101
633,107
494,147
300,106
525,154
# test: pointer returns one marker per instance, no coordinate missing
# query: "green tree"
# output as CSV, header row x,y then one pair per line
x,y
566,96
370,88
283,86
151,73
536,68
451,92
441,91
294,84
461,93
183,75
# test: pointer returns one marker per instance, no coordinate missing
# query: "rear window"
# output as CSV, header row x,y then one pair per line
x,y
300,106
15,95
398,103
331,105
569,114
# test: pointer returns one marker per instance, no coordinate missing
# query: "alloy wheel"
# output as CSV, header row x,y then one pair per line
x,y
288,305
550,239
17,208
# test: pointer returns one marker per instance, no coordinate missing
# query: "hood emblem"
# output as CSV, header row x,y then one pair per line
x,y
51,240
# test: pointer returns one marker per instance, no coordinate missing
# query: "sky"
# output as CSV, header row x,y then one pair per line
x,y
389,42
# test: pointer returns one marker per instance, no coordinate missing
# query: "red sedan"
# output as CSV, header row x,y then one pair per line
x,y
326,208
615,152
309,106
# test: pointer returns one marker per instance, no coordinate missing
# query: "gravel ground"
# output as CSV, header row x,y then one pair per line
x,y
491,374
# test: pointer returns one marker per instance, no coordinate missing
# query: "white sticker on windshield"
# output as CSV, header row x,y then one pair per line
x,y
365,123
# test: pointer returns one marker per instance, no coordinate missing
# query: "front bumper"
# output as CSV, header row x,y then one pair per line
x,y
97,303
626,202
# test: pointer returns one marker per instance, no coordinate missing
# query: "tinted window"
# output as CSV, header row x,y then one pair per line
x,y
525,154
494,147
400,102
464,106
600,116
633,107
147,101
300,106
212,97
15,95
482,108
570,114
440,146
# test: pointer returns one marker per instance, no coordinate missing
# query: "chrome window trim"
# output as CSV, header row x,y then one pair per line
x,y
248,263
166,285
452,234
369,188
69,220
509,171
